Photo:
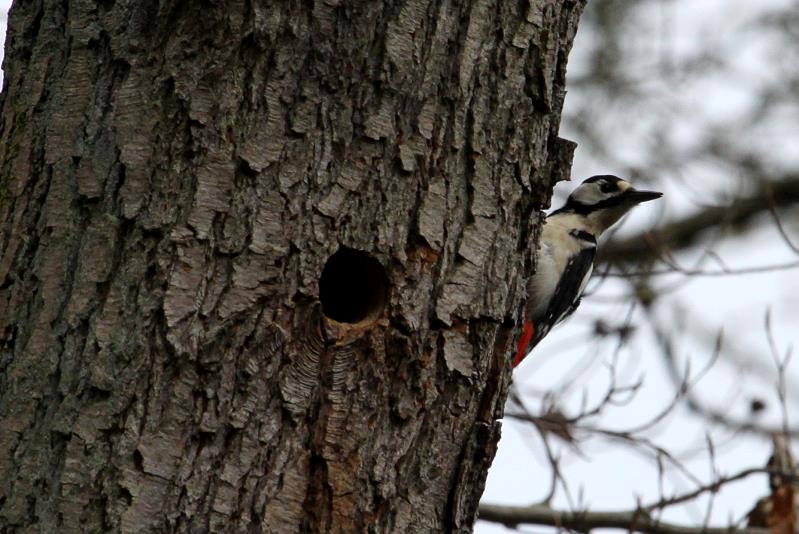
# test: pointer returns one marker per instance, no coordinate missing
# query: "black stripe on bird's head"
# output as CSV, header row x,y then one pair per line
x,y
605,192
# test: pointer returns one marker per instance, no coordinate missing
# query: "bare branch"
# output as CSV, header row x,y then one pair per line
x,y
584,521
684,233
693,402
673,268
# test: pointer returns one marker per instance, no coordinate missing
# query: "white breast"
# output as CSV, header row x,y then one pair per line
x,y
556,247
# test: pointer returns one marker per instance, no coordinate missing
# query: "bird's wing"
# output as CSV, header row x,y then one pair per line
x,y
567,295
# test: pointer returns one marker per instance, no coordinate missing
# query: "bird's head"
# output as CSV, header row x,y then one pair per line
x,y
605,199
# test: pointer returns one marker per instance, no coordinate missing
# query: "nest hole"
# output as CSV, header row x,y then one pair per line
x,y
353,287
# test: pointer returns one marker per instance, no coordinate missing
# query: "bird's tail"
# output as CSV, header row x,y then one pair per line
x,y
524,342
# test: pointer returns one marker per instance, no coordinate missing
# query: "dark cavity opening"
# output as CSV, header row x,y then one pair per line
x,y
353,286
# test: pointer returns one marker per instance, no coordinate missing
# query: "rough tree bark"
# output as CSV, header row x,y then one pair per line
x,y
175,176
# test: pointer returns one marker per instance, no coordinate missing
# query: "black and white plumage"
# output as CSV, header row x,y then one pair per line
x,y
566,250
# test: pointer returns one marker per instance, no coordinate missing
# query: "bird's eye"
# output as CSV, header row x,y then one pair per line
x,y
607,187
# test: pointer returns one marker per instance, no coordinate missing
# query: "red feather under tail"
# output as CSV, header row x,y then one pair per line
x,y
524,342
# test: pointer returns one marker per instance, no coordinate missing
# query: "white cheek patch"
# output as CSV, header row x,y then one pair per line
x,y
588,194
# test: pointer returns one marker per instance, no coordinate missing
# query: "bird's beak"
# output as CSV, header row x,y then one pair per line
x,y
636,196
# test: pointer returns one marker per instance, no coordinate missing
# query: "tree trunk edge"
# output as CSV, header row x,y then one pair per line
x,y
173,179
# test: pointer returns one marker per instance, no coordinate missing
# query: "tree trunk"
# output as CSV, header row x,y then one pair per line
x,y
261,263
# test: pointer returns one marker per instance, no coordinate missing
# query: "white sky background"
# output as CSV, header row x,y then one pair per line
x,y
608,476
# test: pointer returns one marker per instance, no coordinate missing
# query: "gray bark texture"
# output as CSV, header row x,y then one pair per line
x,y
174,177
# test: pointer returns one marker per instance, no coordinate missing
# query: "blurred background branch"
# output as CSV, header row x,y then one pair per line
x,y
673,236
586,521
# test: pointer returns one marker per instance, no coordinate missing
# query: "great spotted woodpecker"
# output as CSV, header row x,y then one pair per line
x,y
566,250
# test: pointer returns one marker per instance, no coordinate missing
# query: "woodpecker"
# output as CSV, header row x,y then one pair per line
x,y
566,251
